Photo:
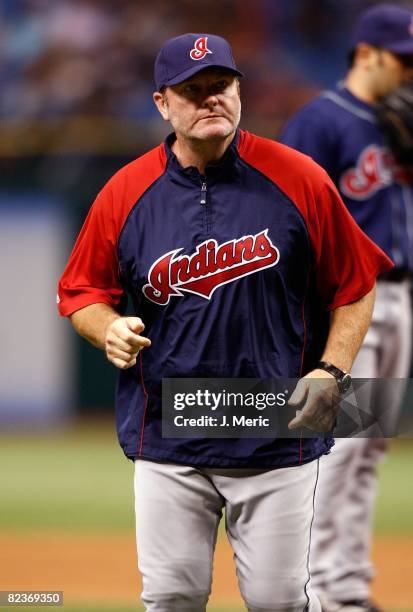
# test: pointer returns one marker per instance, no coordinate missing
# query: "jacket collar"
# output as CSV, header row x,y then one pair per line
x,y
192,173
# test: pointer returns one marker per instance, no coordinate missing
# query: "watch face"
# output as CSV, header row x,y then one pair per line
x,y
345,383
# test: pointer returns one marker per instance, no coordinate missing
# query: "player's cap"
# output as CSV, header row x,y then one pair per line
x,y
183,56
386,26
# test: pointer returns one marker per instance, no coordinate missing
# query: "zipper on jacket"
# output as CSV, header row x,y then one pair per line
x,y
204,203
203,192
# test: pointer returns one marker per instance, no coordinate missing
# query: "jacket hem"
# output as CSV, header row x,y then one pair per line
x,y
156,454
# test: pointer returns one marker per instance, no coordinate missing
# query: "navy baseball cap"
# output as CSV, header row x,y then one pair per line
x,y
386,26
183,56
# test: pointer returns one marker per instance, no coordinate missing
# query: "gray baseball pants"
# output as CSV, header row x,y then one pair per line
x,y
268,517
341,568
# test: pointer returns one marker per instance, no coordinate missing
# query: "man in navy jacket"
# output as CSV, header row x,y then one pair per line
x,y
235,250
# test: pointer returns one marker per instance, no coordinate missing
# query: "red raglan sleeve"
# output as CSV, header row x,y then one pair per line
x,y
347,262
92,272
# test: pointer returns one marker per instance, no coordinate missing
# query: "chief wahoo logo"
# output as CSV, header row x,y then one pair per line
x,y
200,48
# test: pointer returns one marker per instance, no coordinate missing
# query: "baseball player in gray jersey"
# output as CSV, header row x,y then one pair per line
x,y
339,129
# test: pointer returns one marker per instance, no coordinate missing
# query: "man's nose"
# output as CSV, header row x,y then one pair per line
x,y
211,100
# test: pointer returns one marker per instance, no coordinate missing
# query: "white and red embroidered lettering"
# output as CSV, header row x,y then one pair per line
x,y
200,48
211,266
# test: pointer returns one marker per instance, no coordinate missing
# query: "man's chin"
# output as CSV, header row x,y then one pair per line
x,y
213,132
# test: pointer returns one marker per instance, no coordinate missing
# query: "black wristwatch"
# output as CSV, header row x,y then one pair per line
x,y
343,379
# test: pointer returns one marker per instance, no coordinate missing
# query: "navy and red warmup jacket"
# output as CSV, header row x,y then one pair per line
x,y
233,274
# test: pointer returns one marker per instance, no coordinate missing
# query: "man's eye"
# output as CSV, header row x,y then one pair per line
x,y
191,88
221,85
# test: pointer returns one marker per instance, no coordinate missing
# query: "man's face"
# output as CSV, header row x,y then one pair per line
x,y
389,71
205,107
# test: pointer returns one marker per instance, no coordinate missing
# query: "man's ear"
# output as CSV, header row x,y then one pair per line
x,y
364,54
161,103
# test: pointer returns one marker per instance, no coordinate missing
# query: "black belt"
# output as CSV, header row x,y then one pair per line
x,y
396,275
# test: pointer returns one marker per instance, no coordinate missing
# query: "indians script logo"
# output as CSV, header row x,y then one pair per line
x,y
200,48
376,168
211,266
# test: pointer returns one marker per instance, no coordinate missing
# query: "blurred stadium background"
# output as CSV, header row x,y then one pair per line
x,y
76,105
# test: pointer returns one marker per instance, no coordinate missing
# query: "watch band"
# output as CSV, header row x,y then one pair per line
x,y
331,369
343,378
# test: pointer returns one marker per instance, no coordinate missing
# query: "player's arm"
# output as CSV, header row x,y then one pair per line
x,y
317,403
90,290
120,337
349,324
